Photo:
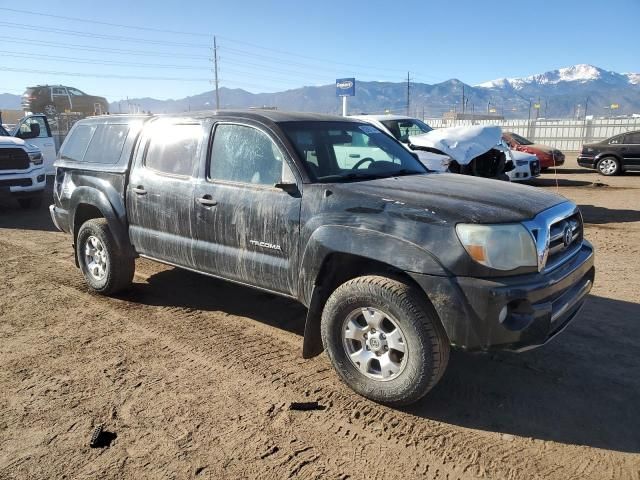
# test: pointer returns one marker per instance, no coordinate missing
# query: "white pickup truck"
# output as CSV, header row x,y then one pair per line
x,y
26,157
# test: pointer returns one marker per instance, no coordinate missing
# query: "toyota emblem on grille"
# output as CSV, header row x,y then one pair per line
x,y
567,236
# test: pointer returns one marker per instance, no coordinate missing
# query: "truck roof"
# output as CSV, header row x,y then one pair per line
x,y
276,116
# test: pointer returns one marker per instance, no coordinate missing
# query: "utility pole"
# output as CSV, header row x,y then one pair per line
x,y
408,93
463,100
215,70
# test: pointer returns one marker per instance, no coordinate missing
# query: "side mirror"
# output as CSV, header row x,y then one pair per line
x,y
28,135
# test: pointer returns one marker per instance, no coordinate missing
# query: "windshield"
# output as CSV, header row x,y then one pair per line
x,y
3,132
349,151
401,129
520,140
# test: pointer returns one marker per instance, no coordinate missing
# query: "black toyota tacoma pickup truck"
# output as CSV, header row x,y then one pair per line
x,y
395,264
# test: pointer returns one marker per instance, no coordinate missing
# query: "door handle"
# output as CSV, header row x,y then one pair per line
x,y
206,201
139,190
354,155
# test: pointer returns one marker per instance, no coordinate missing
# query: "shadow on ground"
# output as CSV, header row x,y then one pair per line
x,y
601,215
181,288
14,217
552,181
582,388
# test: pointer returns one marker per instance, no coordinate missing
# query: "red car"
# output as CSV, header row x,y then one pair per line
x,y
548,156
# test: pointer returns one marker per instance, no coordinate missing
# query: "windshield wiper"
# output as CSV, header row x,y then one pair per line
x,y
351,176
404,171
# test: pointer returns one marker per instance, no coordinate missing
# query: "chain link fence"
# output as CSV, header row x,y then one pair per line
x,y
566,135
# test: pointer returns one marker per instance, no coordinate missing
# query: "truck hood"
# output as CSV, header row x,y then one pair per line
x,y
453,198
463,144
12,142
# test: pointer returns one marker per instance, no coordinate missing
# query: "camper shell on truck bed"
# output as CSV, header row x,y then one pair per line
x,y
394,263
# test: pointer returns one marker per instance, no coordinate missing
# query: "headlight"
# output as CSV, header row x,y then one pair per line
x,y
36,158
502,247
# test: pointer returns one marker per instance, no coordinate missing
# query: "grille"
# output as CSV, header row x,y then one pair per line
x,y
17,182
13,159
563,244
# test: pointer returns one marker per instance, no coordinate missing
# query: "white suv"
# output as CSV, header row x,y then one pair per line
x,y
22,172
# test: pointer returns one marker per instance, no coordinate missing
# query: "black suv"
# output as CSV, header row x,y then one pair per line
x,y
55,99
395,264
614,155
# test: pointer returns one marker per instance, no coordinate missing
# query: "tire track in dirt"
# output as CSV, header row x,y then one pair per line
x,y
457,452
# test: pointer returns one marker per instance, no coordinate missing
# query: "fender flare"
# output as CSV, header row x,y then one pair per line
x,y
367,244
113,212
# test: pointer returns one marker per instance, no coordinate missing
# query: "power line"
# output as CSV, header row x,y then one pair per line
x,y
102,75
96,62
75,46
177,32
117,38
97,22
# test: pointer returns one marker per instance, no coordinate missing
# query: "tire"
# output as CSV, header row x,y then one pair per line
x,y
390,376
608,166
105,268
30,202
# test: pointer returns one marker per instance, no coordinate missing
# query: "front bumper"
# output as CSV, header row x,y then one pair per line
x,y
22,183
586,161
511,313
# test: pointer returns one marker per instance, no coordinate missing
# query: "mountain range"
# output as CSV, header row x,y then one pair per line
x,y
560,93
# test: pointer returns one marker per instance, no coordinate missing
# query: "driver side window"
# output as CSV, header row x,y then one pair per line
x,y
244,154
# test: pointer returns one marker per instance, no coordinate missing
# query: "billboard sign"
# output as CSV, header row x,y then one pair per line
x,y
345,87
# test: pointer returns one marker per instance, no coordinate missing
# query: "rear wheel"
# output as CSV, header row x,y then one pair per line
x,y
384,339
609,166
106,269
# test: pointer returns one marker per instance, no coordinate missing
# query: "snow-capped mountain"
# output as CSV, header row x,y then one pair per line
x,y
561,93
581,74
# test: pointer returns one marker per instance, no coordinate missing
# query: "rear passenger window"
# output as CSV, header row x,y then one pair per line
x,y
106,144
632,138
173,149
245,154
76,143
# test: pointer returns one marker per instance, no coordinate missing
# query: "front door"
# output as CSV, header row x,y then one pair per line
x,y
247,228
44,140
160,191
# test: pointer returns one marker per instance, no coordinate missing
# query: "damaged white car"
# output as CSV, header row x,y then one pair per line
x,y
470,150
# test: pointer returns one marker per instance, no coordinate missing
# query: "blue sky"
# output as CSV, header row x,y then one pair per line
x,y
273,46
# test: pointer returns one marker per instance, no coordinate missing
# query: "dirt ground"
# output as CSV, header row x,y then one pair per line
x,y
193,377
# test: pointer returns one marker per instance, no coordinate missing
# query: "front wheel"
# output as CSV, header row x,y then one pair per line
x,y
106,269
384,339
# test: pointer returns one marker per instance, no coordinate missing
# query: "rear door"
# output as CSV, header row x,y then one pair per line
x,y
247,228
631,150
160,191
60,100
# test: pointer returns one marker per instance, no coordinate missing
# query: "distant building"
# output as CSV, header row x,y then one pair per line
x,y
471,116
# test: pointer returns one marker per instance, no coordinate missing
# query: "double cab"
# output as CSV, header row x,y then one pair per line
x,y
395,264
